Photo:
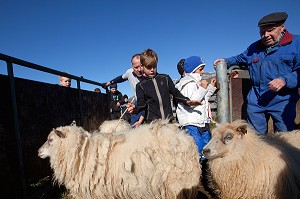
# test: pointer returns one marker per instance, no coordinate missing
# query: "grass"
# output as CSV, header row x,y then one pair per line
x,y
45,189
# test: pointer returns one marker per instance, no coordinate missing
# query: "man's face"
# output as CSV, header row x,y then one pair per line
x,y
136,65
271,34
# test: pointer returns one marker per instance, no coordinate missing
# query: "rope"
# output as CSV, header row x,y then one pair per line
x,y
122,116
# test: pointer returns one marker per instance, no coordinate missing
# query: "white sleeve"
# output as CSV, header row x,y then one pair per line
x,y
127,73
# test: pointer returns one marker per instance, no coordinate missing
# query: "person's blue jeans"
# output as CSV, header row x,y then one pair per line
x,y
201,138
136,117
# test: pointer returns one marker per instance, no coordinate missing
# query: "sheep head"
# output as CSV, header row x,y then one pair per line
x,y
225,137
46,149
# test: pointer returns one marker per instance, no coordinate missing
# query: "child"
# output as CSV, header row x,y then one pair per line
x,y
126,116
64,81
196,120
116,100
153,93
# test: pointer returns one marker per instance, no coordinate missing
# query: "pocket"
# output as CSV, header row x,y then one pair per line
x,y
285,64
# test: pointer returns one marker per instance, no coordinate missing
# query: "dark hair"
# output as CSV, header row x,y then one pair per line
x,y
113,86
180,67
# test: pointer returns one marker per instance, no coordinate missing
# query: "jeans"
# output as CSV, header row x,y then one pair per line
x,y
201,137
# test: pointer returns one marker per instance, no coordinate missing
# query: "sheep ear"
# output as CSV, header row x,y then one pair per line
x,y
59,133
242,129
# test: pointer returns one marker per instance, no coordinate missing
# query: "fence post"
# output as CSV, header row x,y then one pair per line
x,y
222,97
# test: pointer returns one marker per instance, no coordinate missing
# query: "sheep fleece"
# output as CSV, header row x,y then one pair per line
x,y
256,167
152,161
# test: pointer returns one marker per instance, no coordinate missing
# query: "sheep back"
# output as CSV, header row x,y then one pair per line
x,y
151,161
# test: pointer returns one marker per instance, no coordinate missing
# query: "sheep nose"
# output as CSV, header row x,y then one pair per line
x,y
206,150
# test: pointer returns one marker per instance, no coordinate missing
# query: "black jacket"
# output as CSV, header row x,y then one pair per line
x,y
114,98
153,95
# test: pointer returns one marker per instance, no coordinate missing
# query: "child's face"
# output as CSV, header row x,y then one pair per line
x,y
200,70
150,71
65,81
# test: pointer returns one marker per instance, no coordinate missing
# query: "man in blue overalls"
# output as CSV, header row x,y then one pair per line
x,y
274,66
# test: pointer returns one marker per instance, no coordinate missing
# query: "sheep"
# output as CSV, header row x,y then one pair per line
x,y
114,126
152,161
243,164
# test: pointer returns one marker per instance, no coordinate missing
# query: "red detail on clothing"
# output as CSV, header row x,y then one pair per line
x,y
286,39
255,60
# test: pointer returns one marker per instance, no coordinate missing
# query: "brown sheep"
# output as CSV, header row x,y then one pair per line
x,y
245,165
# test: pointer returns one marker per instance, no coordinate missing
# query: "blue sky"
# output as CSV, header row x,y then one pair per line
x,y
96,38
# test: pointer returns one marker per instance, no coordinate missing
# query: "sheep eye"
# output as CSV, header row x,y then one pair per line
x,y
50,140
228,137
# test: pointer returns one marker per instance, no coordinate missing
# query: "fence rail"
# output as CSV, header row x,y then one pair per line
x,y
10,61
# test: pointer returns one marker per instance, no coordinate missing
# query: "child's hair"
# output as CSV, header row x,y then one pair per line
x,y
149,58
180,67
60,77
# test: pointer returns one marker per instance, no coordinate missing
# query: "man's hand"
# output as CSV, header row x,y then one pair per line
x,y
103,85
130,107
276,84
217,61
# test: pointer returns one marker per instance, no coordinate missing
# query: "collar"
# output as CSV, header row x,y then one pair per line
x,y
286,39
139,78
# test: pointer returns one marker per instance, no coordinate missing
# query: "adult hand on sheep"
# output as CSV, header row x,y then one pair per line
x,y
130,107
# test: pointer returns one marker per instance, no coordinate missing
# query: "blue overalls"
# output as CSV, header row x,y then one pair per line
x,y
282,61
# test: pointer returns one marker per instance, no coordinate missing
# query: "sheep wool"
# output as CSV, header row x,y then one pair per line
x,y
114,126
246,165
155,160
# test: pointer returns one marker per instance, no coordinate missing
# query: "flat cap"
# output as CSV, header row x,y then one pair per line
x,y
273,18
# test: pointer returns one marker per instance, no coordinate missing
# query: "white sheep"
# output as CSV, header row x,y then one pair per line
x,y
245,165
152,161
114,126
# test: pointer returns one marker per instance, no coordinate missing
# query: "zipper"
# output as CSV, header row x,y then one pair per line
x,y
159,99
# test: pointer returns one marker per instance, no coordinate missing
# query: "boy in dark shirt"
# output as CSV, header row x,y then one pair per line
x,y
153,93
116,100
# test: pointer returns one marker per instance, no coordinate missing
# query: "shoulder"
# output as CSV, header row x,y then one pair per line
x,y
163,76
128,73
256,44
296,38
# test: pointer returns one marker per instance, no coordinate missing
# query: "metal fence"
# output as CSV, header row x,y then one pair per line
x,y
10,62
